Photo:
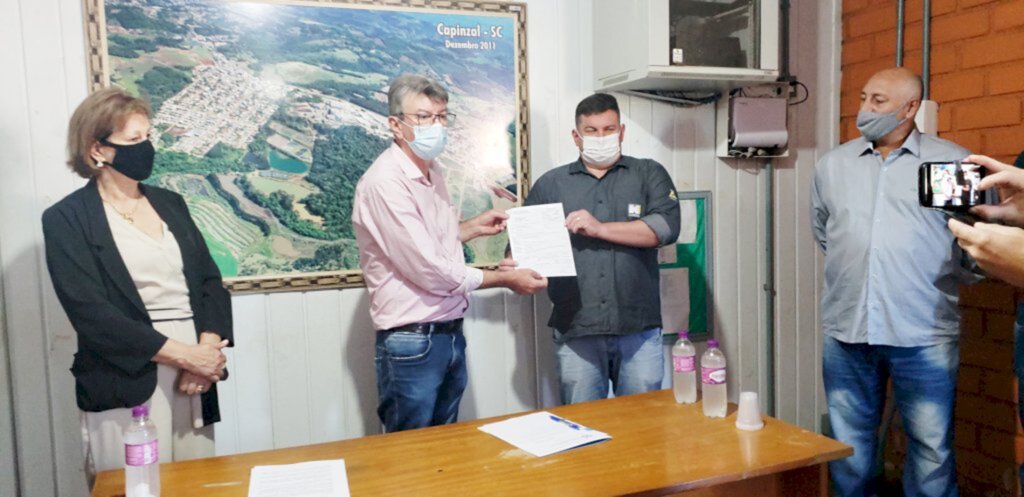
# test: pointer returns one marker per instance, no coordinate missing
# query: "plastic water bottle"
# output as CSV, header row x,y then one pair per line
x,y
712,375
684,370
141,456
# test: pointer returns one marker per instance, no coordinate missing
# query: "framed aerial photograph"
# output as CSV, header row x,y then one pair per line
x,y
265,115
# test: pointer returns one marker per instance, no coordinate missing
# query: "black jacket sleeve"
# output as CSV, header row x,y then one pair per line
x,y
126,342
213,303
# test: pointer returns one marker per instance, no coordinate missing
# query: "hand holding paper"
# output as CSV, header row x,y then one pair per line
x,y
525,281
583,223
488,223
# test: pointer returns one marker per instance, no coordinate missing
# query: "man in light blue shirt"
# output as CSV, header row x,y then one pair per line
x,y
889,307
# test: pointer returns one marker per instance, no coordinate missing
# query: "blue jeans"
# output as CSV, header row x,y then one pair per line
x,y
1018,368
924,389
633,363
420,378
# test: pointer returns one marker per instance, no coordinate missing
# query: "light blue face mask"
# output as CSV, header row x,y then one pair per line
x,y
429,140
874,125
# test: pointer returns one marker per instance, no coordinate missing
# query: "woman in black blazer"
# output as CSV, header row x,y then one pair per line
x,y
137,282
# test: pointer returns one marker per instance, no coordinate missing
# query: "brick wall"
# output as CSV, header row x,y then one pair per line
x,y
989,439
977,68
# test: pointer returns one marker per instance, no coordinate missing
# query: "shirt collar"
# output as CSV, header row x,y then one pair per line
x,y
911,144
578,167
410,169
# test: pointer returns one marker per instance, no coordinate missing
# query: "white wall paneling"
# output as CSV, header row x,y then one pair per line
x,y
302,370
249,384
8,466
42,76
814,125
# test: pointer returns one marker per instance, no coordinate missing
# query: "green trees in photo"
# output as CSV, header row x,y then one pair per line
x,y
161,83
340,158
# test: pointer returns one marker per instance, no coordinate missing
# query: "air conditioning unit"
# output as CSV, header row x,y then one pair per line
x,y
685,45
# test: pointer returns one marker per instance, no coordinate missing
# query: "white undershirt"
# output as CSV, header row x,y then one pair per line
x,y
155,266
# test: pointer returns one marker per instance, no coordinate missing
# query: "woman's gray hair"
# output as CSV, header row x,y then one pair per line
x,y
413,84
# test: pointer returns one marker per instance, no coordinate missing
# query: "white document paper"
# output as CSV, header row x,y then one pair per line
x,y
675,299
540,241
306,479
542,433
687,221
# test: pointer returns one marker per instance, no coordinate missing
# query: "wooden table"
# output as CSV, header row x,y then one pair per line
x,y
658,448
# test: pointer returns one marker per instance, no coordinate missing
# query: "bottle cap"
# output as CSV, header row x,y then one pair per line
x,y
138,411
713,343
684,334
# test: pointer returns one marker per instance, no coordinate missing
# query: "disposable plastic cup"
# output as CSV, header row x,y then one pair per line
x,y
748,417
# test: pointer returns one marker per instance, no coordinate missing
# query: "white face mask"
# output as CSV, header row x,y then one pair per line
x,y
601,151
429,140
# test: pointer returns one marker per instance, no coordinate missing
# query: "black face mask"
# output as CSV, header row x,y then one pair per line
x,y
134,161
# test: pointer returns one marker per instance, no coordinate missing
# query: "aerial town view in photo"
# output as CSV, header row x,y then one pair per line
x,y
265,115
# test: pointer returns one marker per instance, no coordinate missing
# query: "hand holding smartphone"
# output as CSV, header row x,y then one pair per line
x,y
951,186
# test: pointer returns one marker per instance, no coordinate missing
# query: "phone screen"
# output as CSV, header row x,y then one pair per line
x,y
952,185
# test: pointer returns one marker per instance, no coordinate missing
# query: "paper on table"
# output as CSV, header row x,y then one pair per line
x,y
540,241
306,479
542,433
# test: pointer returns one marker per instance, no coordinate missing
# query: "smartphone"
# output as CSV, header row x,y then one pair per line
x,y
950,186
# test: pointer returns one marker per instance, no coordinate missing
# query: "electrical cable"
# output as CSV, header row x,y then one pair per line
x,y
677,97
807,92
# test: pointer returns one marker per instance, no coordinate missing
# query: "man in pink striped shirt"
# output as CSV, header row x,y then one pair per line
x,y
410,250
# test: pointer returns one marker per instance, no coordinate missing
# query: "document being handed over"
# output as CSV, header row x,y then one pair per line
x,y
540,240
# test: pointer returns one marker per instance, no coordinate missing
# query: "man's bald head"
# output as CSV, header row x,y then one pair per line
x,y
894,91
902,82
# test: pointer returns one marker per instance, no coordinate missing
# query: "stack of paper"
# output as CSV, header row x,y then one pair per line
x,y
307,479
543,433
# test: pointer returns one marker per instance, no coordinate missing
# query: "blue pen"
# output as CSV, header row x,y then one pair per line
x,y
568,423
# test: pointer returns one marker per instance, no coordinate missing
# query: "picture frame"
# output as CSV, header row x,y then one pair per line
x,y
266,112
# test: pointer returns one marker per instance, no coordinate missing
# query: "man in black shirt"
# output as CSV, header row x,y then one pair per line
x,y
607,320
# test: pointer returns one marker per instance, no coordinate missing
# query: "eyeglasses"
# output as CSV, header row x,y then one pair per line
x,y
446,119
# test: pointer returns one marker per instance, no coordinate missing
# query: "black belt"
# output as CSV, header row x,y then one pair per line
x,y
452,326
